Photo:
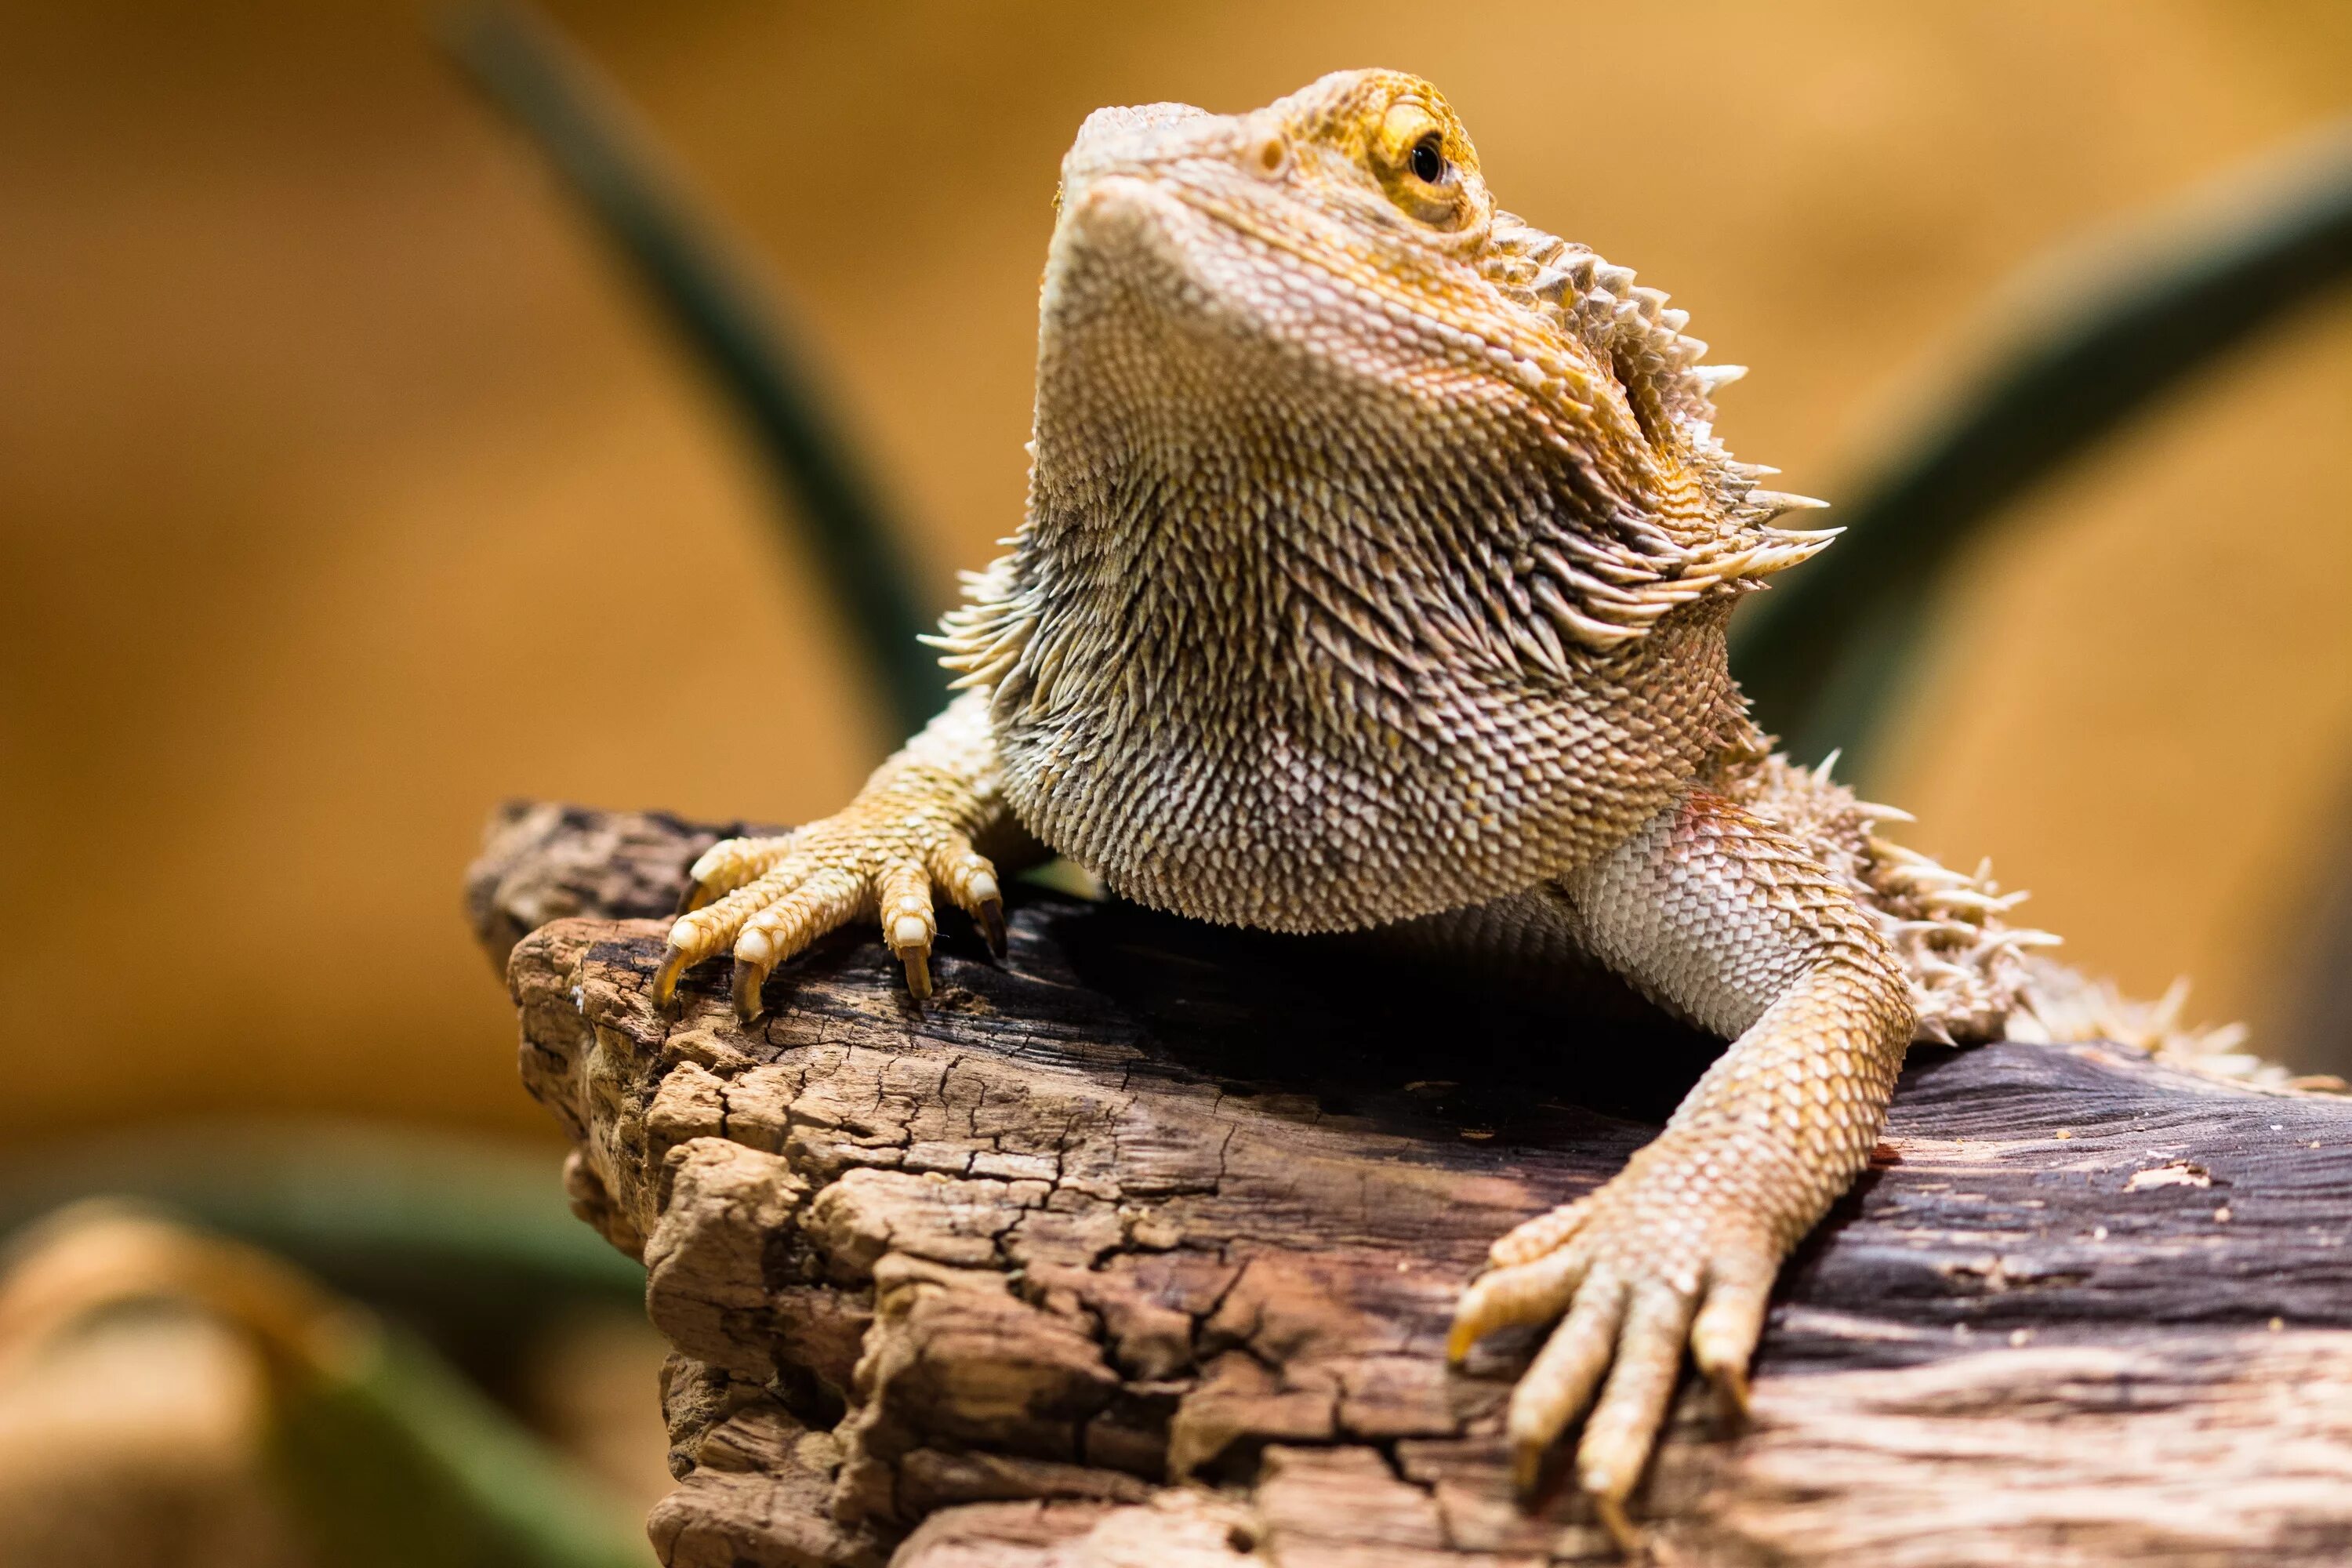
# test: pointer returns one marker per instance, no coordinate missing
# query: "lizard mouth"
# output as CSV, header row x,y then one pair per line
x,y
1185,248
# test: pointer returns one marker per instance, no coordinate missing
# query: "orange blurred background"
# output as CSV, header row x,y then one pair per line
x,y
347,487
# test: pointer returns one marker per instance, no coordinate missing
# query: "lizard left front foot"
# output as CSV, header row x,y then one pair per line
x,y
1665,1253
769,899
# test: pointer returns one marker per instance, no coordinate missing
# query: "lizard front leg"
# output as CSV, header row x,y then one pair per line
x,y
1733,925
910,834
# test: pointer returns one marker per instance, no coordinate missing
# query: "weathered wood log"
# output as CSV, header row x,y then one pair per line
x,y
1138,1246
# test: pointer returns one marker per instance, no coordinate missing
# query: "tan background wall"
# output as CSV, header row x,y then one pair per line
x,y
344,488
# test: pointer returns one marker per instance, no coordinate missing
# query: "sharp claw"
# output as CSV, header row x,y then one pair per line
x,y
1526,1469
1622,1531
673,965
1730,1382
1460,1340
917,961
991,924
749,978
908,936
690,898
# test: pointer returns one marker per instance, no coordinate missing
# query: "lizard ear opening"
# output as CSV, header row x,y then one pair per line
x,y
1269,156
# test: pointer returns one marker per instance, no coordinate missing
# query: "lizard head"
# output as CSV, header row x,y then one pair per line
x,y
1337,257
1364,174
1342,235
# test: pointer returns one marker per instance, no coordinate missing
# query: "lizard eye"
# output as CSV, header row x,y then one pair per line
x,y
1407,154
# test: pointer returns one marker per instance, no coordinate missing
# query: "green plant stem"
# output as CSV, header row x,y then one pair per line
x,y
395,1461
711,295
440,1226
1824,655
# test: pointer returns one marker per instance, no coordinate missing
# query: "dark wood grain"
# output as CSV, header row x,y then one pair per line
x,y
1150,1232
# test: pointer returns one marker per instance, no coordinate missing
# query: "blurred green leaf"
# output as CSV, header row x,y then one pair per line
x,y
457,1232
397,1462
729,315
2085,344
388,1456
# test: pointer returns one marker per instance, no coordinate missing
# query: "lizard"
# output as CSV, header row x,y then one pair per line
x,y
1375,574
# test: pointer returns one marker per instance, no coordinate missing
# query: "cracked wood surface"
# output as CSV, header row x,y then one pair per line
x,y
1139,1247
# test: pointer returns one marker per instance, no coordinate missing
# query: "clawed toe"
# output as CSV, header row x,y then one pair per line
x,y
1629,1301
729,864
1532,1292
769,899
909,939
1609,1512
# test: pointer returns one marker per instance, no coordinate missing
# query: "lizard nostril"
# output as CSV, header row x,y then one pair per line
x,y
1271,155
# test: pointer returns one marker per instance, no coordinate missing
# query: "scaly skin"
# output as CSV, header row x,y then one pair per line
x,y
1376,567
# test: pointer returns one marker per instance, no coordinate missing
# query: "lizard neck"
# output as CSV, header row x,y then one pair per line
x,y
1329,611
1276,660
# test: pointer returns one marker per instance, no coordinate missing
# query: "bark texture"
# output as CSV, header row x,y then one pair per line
x,y
1139,1247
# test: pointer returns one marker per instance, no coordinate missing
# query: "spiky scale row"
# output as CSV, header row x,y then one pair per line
x,y
1631,326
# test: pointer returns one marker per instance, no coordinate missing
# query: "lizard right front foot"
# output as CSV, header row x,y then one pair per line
x,y
889,854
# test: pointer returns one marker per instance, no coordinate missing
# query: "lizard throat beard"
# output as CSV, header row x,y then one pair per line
x,y
1263,611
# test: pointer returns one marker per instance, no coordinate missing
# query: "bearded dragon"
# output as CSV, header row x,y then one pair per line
x,y
1376,568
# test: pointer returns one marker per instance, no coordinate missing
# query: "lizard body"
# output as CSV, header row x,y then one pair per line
x,y
1376,568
